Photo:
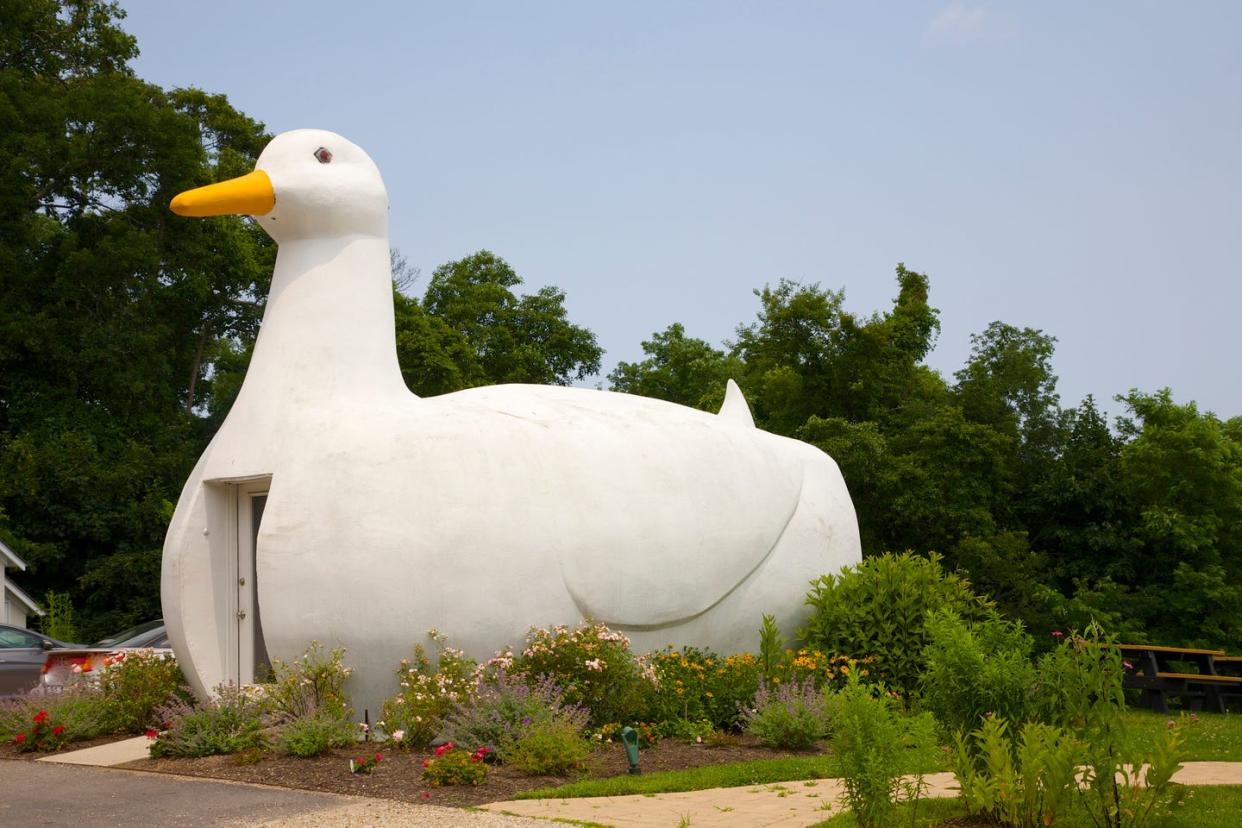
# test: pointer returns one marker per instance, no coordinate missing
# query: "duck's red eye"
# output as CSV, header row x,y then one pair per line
x,y
323,154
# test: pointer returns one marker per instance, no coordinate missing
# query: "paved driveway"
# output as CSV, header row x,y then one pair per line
x,y
39,793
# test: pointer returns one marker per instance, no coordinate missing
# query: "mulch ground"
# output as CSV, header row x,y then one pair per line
x,y
399,775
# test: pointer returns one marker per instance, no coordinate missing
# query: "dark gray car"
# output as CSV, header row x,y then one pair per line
x,y
22,653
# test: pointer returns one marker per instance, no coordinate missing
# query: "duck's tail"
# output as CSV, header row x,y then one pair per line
x,y
734,406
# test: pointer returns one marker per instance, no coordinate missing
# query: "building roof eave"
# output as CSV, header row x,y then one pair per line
x,y
21,596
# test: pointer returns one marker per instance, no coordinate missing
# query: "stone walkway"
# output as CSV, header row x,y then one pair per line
x,y
60,790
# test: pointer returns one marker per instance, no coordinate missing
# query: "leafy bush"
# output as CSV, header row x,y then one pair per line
x,y
550,748
453,766
42,733
310,686
687,731
503,708
80,708
790,715
316,734
593,666
58,620
876,746
232,721
428,695
1035,791
1083,692
694,684
878,609
135,684
977,668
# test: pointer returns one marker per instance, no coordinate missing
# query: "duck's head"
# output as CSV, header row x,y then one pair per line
x,y
306,183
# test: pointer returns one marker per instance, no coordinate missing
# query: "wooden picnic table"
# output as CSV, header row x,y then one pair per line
x,y
1154,671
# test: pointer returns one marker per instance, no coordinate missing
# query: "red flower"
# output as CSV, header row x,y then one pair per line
x,y
40,717
151,734
426,763
21,737
444,748
1057,634
379,758
59,729
426,794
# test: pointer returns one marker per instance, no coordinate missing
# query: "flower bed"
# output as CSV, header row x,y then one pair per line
x,y
400,775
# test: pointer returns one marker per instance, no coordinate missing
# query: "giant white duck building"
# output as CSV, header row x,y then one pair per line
x,y
334,505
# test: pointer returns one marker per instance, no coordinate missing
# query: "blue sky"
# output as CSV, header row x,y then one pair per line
x,y
1075,167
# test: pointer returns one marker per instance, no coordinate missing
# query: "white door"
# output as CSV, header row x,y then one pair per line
x,y
252,660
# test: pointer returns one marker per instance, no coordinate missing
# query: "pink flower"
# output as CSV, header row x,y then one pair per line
x,y
1057,634
426,794
1127,665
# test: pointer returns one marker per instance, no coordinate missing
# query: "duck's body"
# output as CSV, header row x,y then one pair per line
x,y
483,512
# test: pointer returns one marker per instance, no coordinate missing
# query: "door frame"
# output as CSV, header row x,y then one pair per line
x,y
243,565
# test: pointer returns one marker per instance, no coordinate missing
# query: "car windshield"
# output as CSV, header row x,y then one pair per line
x,y
133,637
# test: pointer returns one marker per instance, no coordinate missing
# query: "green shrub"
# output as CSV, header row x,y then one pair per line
x,y
694,684
42,733
316,734
309,686
453,766
877,609
549,749
231,722
687,731
427,694
58,621
791,715
876,745
502,709
1082,691
1036,790
135,684
80,708
977,668
593,666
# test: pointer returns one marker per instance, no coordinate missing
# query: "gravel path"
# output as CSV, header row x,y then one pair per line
x,y
381,813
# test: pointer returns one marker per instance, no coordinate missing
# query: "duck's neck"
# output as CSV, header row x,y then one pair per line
x,y
327,338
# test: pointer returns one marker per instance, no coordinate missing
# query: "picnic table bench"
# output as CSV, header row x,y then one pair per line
x,y
1154,671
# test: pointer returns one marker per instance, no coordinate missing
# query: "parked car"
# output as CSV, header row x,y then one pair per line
x,y
22,656
64,667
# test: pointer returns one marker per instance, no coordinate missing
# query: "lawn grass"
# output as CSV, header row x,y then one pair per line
x,y
730,775
1213,737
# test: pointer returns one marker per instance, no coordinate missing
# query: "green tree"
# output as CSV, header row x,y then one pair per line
x,y
471,329
112,312
679,369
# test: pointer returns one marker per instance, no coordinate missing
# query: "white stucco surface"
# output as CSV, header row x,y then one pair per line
x,y
478,513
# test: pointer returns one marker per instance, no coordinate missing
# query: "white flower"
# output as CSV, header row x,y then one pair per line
x,y
364,725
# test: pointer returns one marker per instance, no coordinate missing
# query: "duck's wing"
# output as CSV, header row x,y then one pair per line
x,y
663,510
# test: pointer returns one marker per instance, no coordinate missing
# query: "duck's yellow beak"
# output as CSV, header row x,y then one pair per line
x,y
250,195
